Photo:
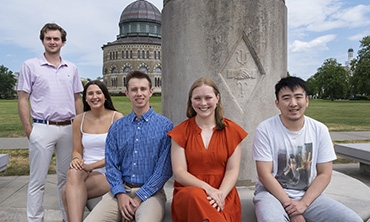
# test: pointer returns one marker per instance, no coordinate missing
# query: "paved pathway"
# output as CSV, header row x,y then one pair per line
x,y
13,192
341,136
13,143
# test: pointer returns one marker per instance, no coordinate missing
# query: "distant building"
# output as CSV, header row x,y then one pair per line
x,y
347,65
138,47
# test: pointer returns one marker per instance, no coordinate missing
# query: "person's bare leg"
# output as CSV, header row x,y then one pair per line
x,y
96,185
64,199
76,194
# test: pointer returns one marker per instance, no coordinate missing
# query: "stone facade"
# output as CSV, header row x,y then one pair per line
x,y
138,47
119,59
242,45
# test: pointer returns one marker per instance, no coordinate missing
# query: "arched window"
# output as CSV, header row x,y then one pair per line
x,y
147,54
138,54
143,69
155,55
126,69
114,81
158,82
158,70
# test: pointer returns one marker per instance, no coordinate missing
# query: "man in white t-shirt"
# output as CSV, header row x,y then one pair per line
x,y
294,155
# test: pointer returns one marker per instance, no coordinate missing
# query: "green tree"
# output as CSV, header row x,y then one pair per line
x,y
312,88
360,80
7,83
332,80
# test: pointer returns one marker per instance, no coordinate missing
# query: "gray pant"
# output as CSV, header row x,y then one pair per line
x,y
324,209
44,140
150,210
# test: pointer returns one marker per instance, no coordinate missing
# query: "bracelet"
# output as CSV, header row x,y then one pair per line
x,y
75,157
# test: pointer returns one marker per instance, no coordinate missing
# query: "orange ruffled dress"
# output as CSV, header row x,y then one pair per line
x,y
190,203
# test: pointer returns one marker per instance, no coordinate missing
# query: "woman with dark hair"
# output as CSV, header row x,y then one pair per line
x,y
86,174
205,156
108,104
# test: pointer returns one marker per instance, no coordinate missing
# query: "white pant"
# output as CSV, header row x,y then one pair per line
x,y
43,141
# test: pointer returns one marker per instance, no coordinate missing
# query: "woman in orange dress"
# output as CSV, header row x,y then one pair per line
x,y
205,155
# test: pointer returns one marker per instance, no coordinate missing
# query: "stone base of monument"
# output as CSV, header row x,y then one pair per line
x,y
350,192
359,152
4,160
345,189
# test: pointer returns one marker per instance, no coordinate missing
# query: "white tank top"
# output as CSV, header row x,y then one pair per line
x,y
93,146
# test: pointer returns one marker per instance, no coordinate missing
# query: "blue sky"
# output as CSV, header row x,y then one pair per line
x,y
317,30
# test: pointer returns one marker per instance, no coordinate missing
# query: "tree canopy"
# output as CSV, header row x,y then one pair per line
x,y
332,80
7,83
360,80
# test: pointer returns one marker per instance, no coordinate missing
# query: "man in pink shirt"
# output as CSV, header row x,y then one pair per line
x,y
53,86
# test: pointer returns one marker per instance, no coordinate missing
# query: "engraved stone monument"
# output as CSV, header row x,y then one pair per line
x,y
241,44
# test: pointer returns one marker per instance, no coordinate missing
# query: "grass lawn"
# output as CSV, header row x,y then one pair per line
x,y
337,115
18,163
11,126
341,115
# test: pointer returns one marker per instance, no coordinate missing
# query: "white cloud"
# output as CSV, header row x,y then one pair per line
x,y
355,17
318,44
324,15
317,30
343,18
322,29
303,13
358,36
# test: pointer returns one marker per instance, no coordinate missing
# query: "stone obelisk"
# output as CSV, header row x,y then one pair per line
x,y
241,44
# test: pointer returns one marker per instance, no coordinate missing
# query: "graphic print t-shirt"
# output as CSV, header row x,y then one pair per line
x,y
294,167
294,154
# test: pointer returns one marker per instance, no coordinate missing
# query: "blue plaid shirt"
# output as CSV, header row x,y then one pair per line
x,y
138,152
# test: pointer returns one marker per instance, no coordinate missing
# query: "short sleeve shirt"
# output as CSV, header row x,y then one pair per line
x,y
294,154
51,89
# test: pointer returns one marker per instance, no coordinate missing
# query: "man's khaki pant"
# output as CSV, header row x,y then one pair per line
x,y
150,210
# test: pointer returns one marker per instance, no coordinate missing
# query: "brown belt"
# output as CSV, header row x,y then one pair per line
x,y
132,185
61,123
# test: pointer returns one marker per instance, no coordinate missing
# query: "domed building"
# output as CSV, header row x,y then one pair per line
x,y
138,47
